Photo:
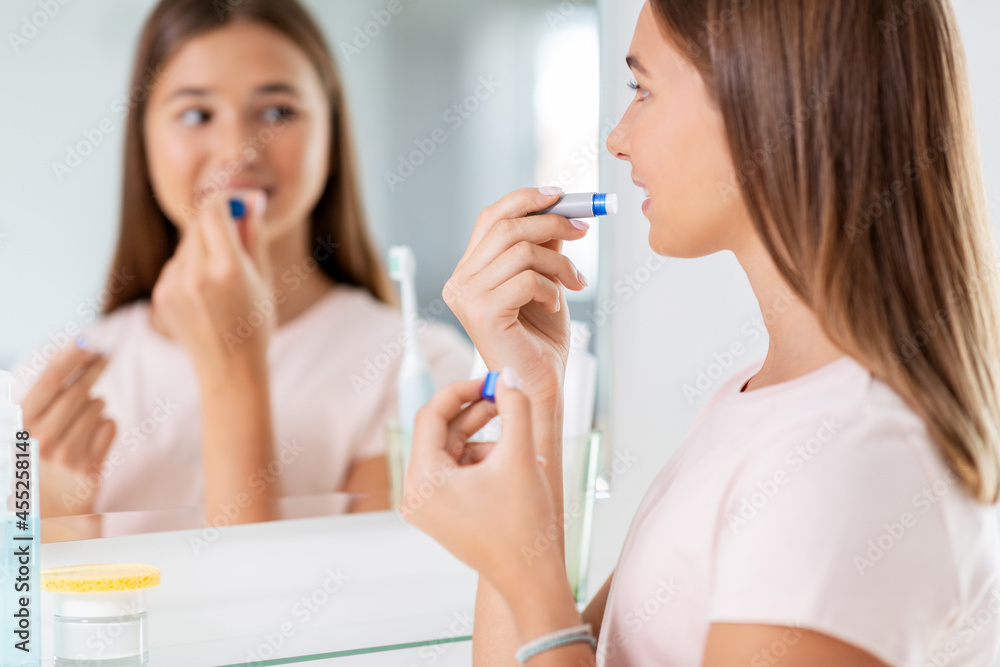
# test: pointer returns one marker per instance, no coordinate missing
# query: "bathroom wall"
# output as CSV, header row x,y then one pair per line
x,y
678,319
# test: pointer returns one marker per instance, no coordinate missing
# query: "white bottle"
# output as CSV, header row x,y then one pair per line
x,y
580,385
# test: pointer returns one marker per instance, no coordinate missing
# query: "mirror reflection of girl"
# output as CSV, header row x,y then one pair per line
x,y
235,363
866,442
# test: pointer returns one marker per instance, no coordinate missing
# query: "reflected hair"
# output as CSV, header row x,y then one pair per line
x,y
147,238
850,125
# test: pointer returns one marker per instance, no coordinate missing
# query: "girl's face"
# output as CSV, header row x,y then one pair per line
x,y
674,138
239,107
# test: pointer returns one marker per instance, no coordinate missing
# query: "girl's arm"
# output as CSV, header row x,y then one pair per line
x,y
493,509
371,478
208,287
745,644
236,418
495,635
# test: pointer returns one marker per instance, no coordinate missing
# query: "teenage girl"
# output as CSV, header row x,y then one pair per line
x,y
241,357
865,444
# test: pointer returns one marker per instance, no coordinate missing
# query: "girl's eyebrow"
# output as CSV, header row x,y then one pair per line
x,y
634,64
265,89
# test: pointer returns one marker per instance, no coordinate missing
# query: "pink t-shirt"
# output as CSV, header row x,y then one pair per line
x,y
818,503
333,372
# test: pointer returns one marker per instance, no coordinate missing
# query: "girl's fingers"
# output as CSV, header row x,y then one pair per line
x,y
517,441
430,432
516,204
522,289
523,256
64,409
219,233
468,423
100,441
74,446
257,246
66,363
475,452
539,230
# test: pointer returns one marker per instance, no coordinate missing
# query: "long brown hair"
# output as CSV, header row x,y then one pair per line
x,y
850,124
147,239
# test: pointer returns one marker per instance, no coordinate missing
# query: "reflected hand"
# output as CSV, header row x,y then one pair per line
x,y
72,432
484,502
207,294
507,290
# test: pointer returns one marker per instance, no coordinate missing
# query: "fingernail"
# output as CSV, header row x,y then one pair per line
x,y
82,343
551,190
582,279
261,203
509,378
579,224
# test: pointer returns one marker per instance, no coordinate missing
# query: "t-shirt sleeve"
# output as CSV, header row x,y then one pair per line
x,y
841,532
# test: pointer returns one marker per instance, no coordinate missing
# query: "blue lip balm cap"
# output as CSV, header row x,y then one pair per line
x,y
600,204
237,208
489,390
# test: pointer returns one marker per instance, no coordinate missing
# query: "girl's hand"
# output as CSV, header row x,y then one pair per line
x,y
486,503
507,290
71,429
213,296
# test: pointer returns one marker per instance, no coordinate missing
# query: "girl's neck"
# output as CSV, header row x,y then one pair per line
x,y
298,281
797,343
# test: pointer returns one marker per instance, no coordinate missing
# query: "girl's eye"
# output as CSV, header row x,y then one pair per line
x,y
637,88
278,113
194,117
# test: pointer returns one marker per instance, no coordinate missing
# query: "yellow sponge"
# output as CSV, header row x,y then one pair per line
x,y
100,577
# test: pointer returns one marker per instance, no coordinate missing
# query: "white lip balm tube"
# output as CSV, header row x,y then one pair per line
x,y
583,205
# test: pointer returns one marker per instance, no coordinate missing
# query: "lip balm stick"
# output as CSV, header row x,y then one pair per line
x,y
583,205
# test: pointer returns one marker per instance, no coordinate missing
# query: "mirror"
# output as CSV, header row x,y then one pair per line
x,y
452,104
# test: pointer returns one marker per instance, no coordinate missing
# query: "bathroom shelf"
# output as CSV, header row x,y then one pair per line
x,y
314,590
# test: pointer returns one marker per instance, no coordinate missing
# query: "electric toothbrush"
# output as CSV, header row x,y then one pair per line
x,y
415,385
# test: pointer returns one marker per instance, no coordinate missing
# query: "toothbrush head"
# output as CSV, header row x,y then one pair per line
x,y
402,263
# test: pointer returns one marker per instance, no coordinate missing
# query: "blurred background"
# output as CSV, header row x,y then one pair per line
x,y
512,85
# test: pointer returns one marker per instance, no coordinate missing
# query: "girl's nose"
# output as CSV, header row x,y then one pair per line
x,y
617,142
